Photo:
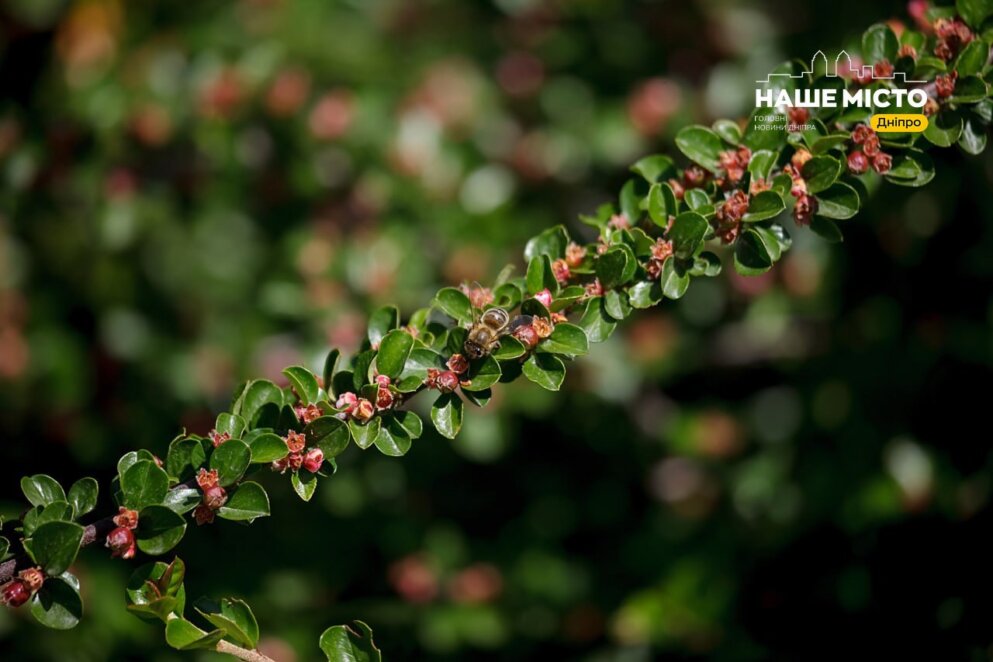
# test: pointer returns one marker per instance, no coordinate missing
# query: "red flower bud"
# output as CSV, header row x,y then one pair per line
x,y
383,380
542,326
544,297
458,363
944,85
207,479
346,400
527,335
858,162
860,133
574,255
313,459
295,441
218,438
203,515
594,289
882,69
797,118
15,593
33,578
214,497
294,461
804,209
280,465
120,541
619,222
384,398
363,410
800,157
447,381
694,176
560,269
308,413
126,518
871,146
882,163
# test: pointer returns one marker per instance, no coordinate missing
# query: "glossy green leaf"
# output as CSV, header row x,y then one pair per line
x,y
700,145
393,439
510,348
304,483
233,616
304,384
446,414
615,302
159,529
752,254
381,322
551,242
645,294
455,304
826,229
255,395
183,635
155,590
364,434
762,163
41,490
687,233
972,58
820,172
596,322
728,131
662,204
233,425
231,459
974,11
763,206
393,353
838,201
83,495
944,128
545,370
566,339
540,275
329,434
654,168
411,422
54,545
674,280
483,373
248,501
144,484
185,456
267,447
57,604
341,643
879,43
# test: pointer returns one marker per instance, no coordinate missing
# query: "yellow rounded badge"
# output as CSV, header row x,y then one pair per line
x,y
892,123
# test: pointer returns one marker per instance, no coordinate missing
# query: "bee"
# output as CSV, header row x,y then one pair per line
x,y
486,330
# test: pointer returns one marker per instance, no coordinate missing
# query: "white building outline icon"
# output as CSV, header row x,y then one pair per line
x,y
865,72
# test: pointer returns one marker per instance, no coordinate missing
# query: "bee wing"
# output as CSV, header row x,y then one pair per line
x,y
517,322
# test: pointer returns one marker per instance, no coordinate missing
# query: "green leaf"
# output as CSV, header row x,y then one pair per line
x,y
455,304
255,395
596,322
973,138
233,616
838,201
820,172
728,130
364,434
615,302
446,414
763,206
144,484
759,137
341,643
752,254
566,339
329,434
54,545
183,635
662,204
973,58
4,547
304,483
645,294
41,490
700,145
267,447
361,366
381,322
58,511
911,167
304,383
393,439
616,267
185,456
411,422
128,460
762,163
969,90
879,43
687,233
83,495
248,502
510,348
182,499
974,11
483,373
159,529
156,590
696,199
393,353
330,366
630,201
674,279
944,128
545,370
551,242
233,425
231,459
57,604
654,168
540,275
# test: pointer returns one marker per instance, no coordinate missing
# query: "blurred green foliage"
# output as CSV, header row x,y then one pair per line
x,y
773,467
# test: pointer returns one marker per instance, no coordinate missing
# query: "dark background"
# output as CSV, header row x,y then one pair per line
x,y
794,466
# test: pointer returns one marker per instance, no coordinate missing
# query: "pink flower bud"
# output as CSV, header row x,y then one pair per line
x,y
363,410
458,364
544,297
858,162
33,578
218,438
126,518
203,515
294,461
214,497
527,335
447,381
384,398
313,459
120,541
295,441
15,593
